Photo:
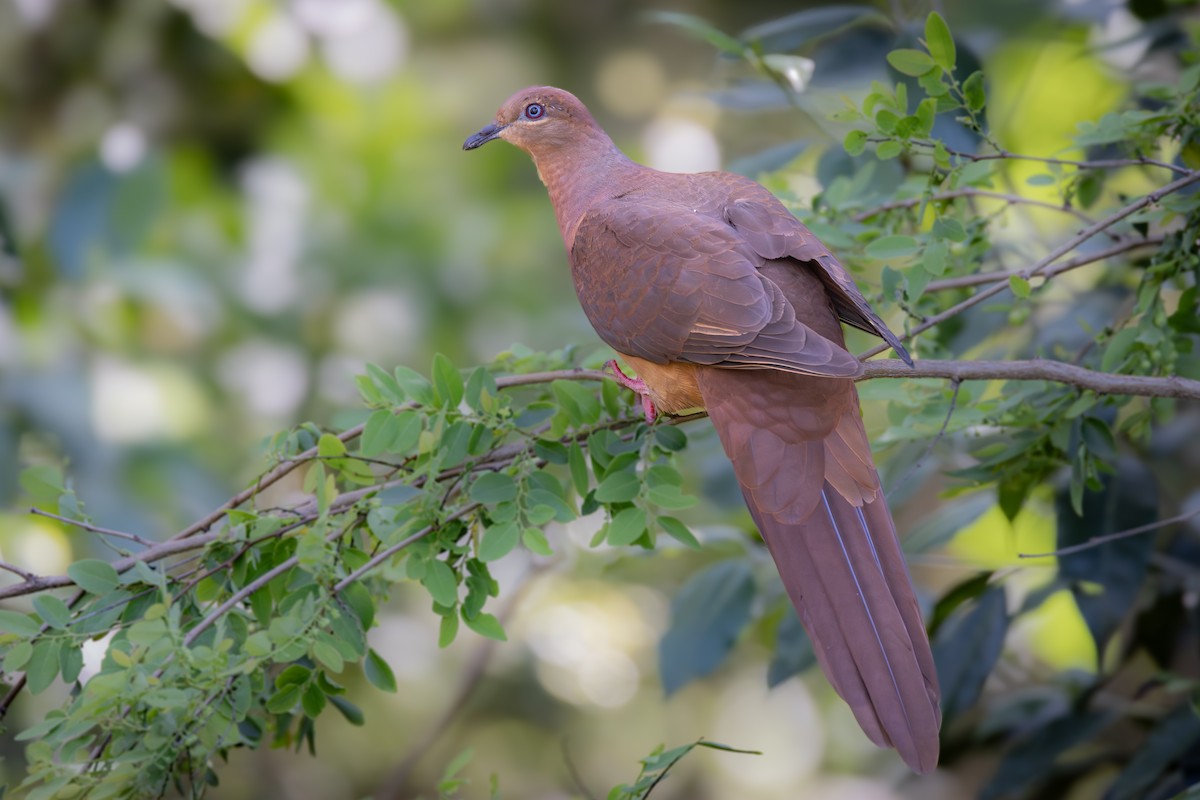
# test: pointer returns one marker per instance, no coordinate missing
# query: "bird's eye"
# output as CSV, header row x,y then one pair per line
x,y
534,111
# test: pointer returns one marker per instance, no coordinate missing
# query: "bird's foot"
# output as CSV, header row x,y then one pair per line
x,y
637,386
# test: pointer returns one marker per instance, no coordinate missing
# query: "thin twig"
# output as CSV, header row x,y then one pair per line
x,y
1049,259
388,552
1110,537
1105,163
252,587
970,191
87,526
981,278
573,771
20,573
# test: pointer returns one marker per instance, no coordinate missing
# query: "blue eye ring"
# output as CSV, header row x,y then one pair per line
x,y
535,111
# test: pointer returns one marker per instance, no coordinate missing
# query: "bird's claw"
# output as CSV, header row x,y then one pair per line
x,y
637,386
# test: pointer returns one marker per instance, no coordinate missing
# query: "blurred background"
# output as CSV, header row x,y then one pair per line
x,y
213,213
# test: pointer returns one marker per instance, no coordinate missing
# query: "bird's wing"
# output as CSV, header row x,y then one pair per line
x,y
773,232
664,283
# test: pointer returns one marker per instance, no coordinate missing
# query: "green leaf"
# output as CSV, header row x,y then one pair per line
x,y
414,385
481,390
888,150
949,228
926,112
977,173
669,437
447,382
54,612
679,532
1088,187
93,575
328,655
579,471
1107,579
498,541
1020,286
1034,758
887,120
385,384
146,632
351,712
20,624
1172,737
330,446
535,540
379,433
940,42
935,258
1118,349
670,497
1041,179
18,655
966,648
793,649
43,665
911,62
292,675
707,615
44,485
312,701
933,83
378,672
619,487
258,644
973,91
285,699
700,29
448,630
887,248
855,142
486,625
626,527
577,401
439,581
409,426
491,488
916,278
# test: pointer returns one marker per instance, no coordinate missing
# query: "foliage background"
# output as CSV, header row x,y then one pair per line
x,y
213,215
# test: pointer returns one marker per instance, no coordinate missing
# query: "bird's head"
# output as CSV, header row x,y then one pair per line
x,y
538,119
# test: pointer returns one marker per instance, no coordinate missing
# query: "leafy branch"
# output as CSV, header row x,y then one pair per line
x,y
237,629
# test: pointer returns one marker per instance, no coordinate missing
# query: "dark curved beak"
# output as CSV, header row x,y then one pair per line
x,y
485,135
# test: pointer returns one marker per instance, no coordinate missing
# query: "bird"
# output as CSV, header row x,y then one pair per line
x,y
720,299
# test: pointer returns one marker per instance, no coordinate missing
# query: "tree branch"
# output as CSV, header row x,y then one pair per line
x,y
1099,540
981,278
1043,264
1037,370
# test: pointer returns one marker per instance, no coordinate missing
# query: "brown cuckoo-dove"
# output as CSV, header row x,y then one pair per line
x,y
721,299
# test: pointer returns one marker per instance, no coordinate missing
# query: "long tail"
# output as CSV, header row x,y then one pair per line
x,y
802,459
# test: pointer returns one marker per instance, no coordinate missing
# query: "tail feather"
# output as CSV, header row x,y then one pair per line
x,y
838,555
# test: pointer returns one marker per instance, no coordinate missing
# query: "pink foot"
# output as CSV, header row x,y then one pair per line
x,y
638,386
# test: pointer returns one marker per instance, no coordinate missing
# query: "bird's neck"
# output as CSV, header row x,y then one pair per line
x,y
579,172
